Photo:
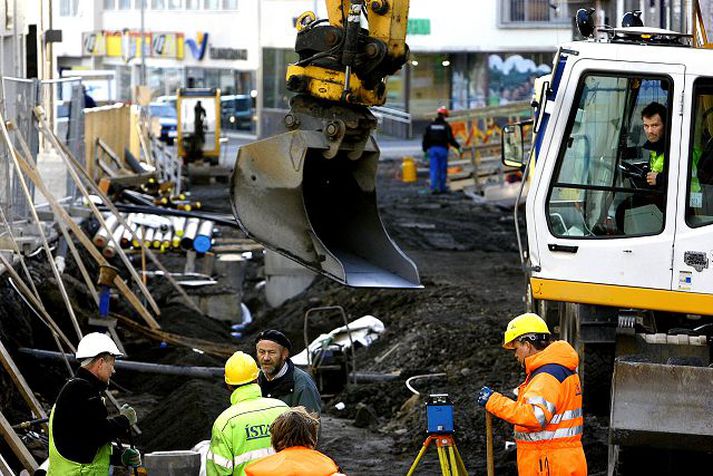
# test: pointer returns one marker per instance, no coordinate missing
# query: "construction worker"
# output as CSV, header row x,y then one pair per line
x,y
241,433
80,429
279,378
294,437
548,412
437,137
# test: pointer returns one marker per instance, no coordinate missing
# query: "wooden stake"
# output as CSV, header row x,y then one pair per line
x,y
45,245
61,214
63,228
74,169
489,444
38,304
70,159
17,446
21,383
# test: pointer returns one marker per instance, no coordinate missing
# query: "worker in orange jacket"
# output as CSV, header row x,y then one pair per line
x,y
548,411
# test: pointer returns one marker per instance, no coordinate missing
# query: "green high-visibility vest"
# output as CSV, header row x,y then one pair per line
x,y
61,466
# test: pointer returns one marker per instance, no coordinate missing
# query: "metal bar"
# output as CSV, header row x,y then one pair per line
x,y
17,446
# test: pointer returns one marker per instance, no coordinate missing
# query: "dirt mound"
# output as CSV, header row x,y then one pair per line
x,y
184,417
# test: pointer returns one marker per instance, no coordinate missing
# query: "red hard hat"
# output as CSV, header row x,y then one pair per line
x,y
443,110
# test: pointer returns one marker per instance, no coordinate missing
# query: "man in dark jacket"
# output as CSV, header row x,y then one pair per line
x,y
279,378
81,431
437,137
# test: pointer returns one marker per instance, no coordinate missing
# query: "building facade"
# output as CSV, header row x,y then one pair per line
x,y
194,43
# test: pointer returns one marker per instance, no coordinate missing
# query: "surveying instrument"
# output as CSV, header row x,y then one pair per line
x,y
439,417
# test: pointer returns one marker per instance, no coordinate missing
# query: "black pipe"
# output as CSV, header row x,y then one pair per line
x,y
145,367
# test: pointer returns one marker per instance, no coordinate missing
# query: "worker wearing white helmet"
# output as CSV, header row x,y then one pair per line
x,y
81,431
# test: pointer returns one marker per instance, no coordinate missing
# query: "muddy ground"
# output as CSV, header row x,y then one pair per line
x,y
466,253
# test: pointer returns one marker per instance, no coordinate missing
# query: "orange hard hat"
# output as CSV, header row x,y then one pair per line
x,y
443,110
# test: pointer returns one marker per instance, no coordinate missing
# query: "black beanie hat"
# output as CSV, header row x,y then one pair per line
x,y
275,336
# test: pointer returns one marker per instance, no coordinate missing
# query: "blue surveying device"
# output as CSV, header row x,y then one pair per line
x,y
440,429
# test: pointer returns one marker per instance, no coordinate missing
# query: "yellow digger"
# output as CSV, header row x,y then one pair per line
x,y
310,193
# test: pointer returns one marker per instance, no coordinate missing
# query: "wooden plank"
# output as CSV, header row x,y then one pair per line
x,y
76,167
21,383
74,170
62,226
17,446
33,211
39,307
5,468
61,214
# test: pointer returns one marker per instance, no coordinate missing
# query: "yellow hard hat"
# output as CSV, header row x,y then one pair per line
x,y
528,323
240,369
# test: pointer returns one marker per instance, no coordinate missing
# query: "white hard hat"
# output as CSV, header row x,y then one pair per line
x,y
94,344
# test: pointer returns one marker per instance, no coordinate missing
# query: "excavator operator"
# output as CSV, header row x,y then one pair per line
x,y
548,411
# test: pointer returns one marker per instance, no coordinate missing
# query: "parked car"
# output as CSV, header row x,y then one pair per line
x,y
236,111
165,113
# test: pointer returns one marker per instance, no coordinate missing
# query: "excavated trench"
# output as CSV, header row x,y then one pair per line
x,y
467,256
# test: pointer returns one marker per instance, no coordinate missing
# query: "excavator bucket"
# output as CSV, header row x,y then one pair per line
x,y
662,405
317,211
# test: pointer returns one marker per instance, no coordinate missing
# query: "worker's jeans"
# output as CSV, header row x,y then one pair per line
x,y
438,161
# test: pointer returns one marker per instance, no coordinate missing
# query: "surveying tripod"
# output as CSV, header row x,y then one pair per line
x,y
448,455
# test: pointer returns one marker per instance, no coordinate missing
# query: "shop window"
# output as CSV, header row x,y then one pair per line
x,y
158,4
193,4
512,78
230,4
699,202
430,86
540,12
175,4
211,4
124,4
602,187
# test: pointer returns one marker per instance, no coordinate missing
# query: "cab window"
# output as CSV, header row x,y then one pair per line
x,y
699,202
611,173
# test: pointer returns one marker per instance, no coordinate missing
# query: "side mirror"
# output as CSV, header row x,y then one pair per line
x,y
512,148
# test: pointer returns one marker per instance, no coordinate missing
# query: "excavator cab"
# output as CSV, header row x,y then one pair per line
x,y
310,193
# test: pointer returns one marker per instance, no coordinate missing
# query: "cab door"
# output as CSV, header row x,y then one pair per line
x,y
594,222
693,248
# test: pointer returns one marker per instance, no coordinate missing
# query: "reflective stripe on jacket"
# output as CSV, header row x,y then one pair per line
x,y
547,415
294,461
61,466
241,433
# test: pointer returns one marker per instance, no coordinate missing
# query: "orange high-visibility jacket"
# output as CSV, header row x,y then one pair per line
x,y
547,414
293,461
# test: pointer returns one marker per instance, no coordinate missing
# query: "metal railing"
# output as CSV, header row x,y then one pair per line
x,y
394,122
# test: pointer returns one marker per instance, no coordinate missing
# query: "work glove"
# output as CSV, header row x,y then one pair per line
x,y
129,413
131,458
484,396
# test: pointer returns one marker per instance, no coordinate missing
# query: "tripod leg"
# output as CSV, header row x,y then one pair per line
x,y
452,460
443,459
418,457
459,462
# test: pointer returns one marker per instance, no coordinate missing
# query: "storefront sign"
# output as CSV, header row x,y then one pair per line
x,y
199,47
228,53
167,45
419,26
93,43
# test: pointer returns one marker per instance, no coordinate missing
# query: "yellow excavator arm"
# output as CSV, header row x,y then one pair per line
x,y
341,60
310,192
